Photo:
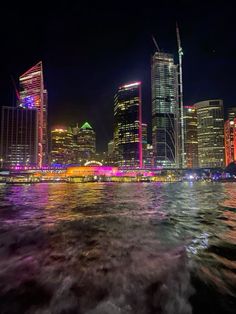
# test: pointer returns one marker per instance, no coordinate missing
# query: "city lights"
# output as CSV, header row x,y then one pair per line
x,y
118,157
179,137
128,140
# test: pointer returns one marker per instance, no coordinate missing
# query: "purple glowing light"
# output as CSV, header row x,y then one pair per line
x,y
28,102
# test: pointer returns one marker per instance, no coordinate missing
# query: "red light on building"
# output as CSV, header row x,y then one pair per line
x,y
230,140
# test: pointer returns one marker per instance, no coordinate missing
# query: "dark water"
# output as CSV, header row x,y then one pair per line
x,y
118,248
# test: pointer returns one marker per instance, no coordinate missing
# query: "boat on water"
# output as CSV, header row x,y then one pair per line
x,y
20,180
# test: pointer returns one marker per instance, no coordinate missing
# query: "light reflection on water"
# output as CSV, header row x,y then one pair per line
x,y
118,248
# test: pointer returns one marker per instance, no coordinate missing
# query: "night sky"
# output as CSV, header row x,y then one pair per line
x,y
89,49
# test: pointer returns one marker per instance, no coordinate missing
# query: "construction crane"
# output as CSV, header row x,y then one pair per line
x,y
15,88
181,104
155,43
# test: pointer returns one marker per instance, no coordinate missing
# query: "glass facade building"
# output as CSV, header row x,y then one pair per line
x,y
61,146
75,131
164,80
148,160
230,136
210,133
128,126
19,137
33,95
144,143
191,142
86,141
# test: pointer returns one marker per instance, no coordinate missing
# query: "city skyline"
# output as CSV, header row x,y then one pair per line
x,y
79,146
100,59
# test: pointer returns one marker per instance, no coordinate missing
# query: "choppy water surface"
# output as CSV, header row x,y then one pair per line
x,y
118,248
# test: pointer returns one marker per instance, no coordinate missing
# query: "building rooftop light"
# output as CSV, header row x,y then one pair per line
x,y
131,84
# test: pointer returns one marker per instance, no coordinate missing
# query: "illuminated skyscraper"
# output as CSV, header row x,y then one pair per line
x,y
86,140
61,146
164,109
75,131
191,143
144,143
128,126
230,136
33,95
19,137
210,133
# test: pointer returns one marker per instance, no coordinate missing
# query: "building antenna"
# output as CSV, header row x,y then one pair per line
x,y
181,105
16,90
155,43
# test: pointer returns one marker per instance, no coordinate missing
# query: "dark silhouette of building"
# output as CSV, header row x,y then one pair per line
x,y
19,137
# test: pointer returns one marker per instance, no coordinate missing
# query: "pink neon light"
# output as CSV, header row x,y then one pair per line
x,y
140,129
108,171
32,69
234,140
